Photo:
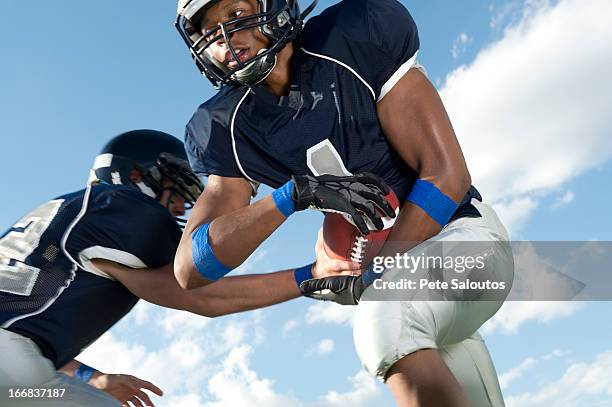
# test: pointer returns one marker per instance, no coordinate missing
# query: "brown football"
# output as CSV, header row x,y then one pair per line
x,y
342,240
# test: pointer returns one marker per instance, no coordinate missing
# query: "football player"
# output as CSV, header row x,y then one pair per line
x,y
341,94
75,265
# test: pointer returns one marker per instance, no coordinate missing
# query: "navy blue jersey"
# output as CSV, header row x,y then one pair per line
x,y
49,289
346,59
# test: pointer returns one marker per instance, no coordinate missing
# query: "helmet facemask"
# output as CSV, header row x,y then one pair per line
x,y
278,20
184,182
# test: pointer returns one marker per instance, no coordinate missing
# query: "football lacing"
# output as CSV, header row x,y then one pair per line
x,y
359,248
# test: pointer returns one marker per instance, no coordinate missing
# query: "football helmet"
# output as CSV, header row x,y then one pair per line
x,y
279,20
155,155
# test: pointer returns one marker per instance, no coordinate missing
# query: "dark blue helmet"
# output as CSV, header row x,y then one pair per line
x,y
155,155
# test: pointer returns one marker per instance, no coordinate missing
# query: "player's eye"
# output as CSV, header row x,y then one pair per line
x,y
236,13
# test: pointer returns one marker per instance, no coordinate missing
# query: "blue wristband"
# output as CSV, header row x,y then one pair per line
x,y
428,197
84,372
302,274
369,275
283,200
203,257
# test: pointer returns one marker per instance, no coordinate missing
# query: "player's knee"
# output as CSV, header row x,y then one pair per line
x,y
376,332
386,331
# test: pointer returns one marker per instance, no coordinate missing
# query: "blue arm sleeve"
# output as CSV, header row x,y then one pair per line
x,y
203,257
434,202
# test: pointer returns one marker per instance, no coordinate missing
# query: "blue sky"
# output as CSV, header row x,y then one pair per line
x,y
528,115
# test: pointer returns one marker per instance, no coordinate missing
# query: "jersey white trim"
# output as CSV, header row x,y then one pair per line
x,y
345,66
401,71
74,267
234,140
73,224
107,253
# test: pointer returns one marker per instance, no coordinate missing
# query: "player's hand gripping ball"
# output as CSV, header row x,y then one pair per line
x,y
343,241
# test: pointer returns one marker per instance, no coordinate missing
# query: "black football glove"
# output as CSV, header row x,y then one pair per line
x,y
344,290
356,196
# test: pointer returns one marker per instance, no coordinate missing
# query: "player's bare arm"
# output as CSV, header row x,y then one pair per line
x,y
229,294
226,296
222,195
416,124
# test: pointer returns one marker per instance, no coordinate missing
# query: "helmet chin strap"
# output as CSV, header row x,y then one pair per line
x,y
257,71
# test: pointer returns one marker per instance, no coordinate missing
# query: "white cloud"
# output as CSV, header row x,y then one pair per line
x,y
142,312
330,313
187,357
511,12
460,45
183,400
566,199
211,367
531,111
501,16
513,314
164,367
557,353
578,386
174,319
103,354
289,326
365,388
237,385
506,378
323,348
515,212
516,372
